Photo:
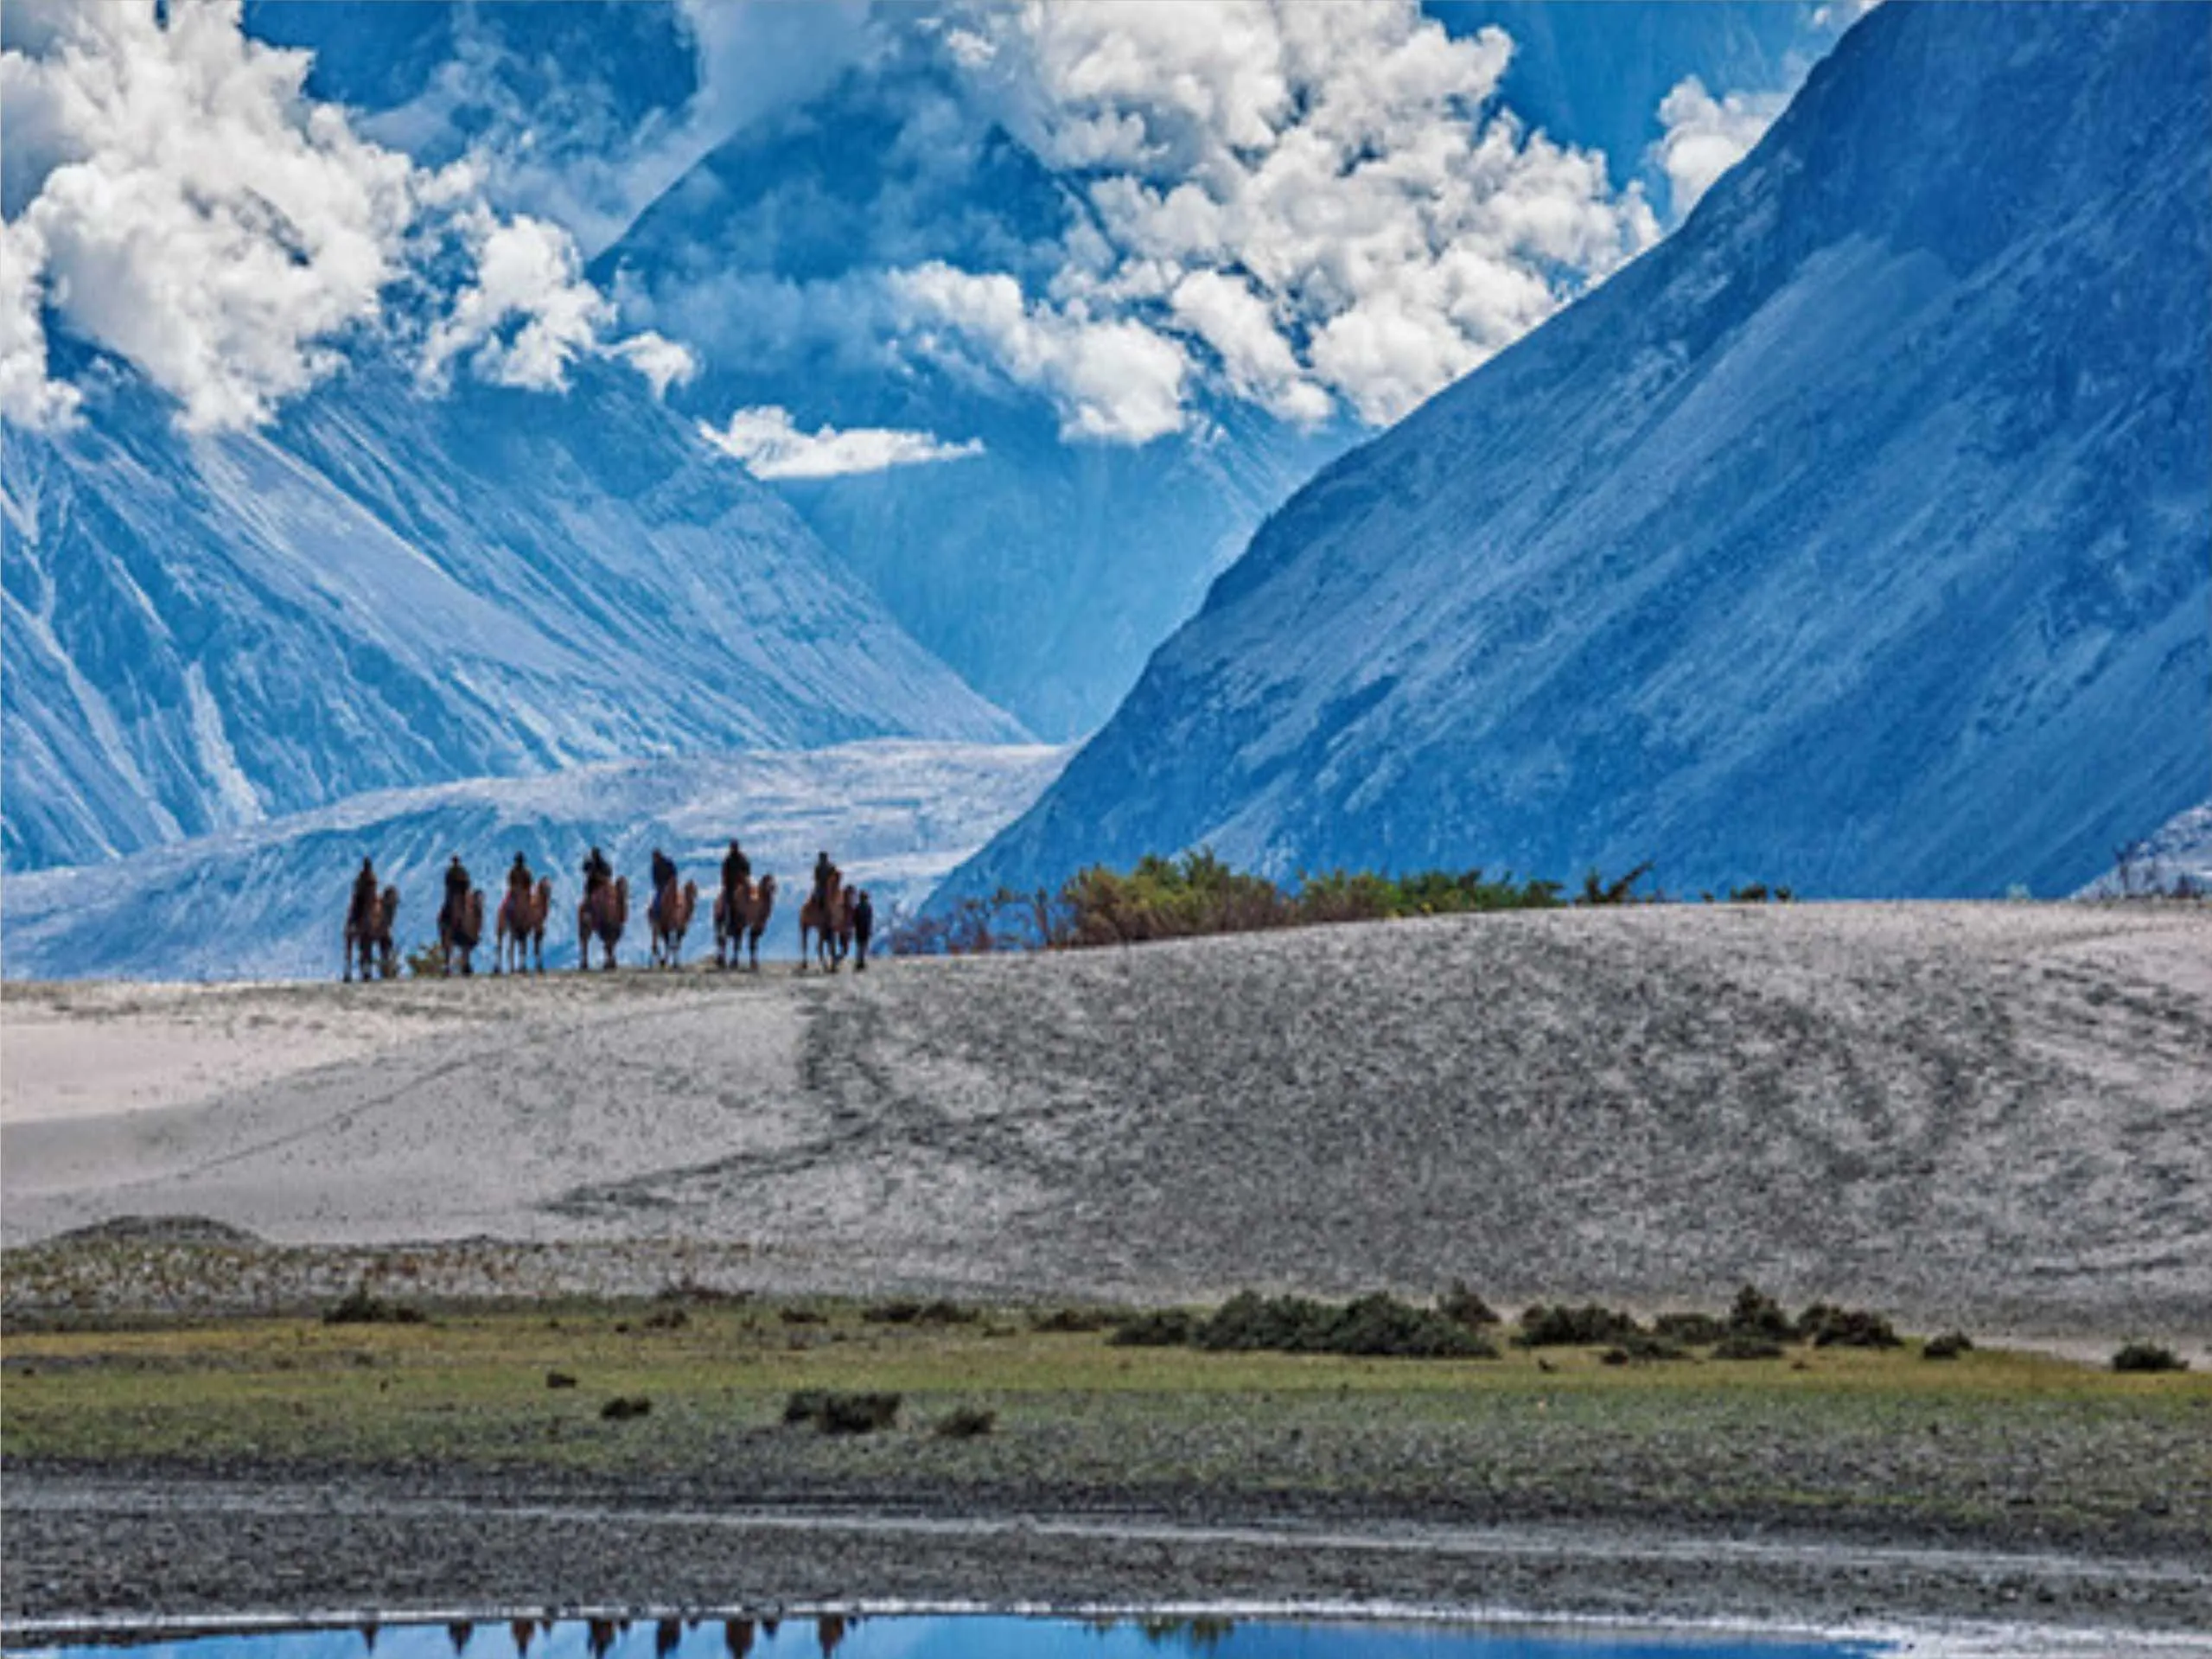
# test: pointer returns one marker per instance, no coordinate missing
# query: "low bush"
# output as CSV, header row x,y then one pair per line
x,y
1690,1329
2148,1356
560,1379
1167,1328
1562,1326
1754,1313
965,1423
834,1413
1069,1320
1828,1326
1948,1346
1642,1350
1742,1347
358,1307
666,1319
803,1317
1378,1326
623,1407
1463,1305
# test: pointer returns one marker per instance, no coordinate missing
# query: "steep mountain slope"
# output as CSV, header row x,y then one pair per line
x,y
1043,568
1858,537
386,589
266,901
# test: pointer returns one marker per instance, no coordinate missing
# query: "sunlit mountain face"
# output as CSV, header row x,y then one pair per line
x,y
1858,537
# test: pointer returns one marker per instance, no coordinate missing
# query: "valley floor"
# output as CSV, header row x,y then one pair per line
x,y
1994,1117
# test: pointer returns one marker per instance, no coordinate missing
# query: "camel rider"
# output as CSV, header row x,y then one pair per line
x,y
456,890
825,877
737,868
519,883
664,879
598,872
362,911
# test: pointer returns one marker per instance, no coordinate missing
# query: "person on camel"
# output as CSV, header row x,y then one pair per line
x,y
519,882
360,914
456,892
826,877
664,878
737,868
598,872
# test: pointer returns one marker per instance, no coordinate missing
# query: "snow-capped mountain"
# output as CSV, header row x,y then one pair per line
x,y
1045,569
386,589
1858,537
268,902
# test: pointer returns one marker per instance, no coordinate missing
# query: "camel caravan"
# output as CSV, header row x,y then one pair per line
x,y
836,921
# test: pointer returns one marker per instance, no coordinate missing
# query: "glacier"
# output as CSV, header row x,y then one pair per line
x,y
1858,537
267,900
386,589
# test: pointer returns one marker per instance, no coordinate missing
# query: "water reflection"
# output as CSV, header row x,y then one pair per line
x,y
832,1634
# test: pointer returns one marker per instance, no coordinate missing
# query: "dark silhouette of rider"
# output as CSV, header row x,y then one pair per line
x,y
456,889
826,875
362,911
736,868
519,878
863,928
598,872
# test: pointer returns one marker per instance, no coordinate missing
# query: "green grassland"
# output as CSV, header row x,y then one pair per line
x,y
1994,1443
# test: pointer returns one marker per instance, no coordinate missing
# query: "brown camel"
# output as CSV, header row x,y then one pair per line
x,y
603,916
522,923
460,930
737,931
368,939
831,931
670,914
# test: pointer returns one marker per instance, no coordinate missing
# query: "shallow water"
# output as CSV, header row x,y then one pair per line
x,y
966,1636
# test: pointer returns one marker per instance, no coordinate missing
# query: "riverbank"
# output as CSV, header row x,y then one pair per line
x,y
473,1460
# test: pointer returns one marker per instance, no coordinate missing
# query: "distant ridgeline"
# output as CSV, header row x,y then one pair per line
x,y
1861,531
1198,894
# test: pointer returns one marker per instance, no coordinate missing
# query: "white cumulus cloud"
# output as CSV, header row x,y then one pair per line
x,y
1112,378
1705,136
767,442
1329,198
188,206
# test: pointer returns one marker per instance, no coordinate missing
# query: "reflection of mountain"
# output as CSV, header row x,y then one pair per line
x,y
1858,537
1044,570
386,589
265,901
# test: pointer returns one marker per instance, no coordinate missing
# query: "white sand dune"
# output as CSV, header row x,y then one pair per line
x,y
1996,1114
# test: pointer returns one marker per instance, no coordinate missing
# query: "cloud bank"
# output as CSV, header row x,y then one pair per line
x,y
1705,136
186,206
1308,206
767,442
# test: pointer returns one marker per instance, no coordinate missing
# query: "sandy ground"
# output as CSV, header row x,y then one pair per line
x,y
1995,1116
2000,1116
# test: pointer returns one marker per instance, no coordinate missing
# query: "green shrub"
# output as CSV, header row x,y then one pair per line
x,y
965,1423
623,1407
1754,1313
2148,1356
834,1413
1072,1319
1170,1328
1641,1348
1690,1329
1742,1347
1828,1326
358,1307
1948,1346
1463,1305
1588,1326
